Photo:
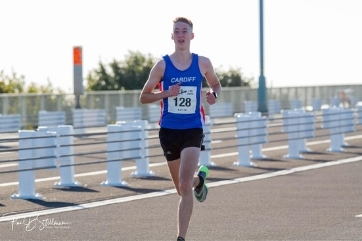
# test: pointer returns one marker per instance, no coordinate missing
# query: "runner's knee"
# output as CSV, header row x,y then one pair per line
x,y
184,187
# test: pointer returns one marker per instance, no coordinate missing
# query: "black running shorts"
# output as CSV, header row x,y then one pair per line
x,y
173,141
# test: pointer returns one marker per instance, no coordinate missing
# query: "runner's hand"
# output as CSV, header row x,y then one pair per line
x,y
174,90
210,98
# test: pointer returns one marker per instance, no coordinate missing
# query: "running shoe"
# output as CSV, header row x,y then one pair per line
x,y
201,192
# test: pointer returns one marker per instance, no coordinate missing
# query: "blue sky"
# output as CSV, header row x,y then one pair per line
x,y
307,42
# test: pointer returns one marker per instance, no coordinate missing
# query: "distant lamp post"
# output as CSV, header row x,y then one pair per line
x,y
262,94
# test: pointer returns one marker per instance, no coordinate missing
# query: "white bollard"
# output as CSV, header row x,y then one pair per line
x,y
307,125
78,121
334,102
40,147
359,113
306,129
339,121
142,163
26,178
250,106
242,134
205,155
116,138
347,123
317,104
273,108
295,104
290,126
331,121
154,115
51,118
10,123
128,113
257,133
46,150
65,151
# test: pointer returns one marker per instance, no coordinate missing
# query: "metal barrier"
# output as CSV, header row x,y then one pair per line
x,y
296,104
221,110
142,164
119,140
317,104
205,155
37,150
154,114
299,125
334,102
250,106
23,104
65,153
51,118
251,133
83,118
258,134
359,113
307,125
339,121
128,141
10,123
128,113
274,107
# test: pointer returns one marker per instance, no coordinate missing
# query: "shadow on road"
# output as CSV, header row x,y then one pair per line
x,y
51,204
76,189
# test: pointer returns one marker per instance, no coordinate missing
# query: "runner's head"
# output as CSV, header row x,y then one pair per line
x,y
182,32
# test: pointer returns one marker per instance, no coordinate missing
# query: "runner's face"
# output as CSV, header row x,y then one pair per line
x,y
182,35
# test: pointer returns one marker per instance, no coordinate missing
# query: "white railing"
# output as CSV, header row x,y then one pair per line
x,y
53,148
28,105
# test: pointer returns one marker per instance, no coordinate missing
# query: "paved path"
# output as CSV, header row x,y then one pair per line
x,y
317,197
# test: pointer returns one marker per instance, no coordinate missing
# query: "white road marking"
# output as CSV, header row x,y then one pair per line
x,y
13,216
359,216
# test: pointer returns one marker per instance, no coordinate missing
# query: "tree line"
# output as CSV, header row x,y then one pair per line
x,y
16,84
127,74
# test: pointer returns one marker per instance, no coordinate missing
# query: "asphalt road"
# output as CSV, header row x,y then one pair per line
x,y
316,197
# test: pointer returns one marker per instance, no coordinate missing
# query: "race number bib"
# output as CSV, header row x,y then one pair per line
x,y
185,102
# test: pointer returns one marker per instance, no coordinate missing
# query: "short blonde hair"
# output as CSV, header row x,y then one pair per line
x,y
183,20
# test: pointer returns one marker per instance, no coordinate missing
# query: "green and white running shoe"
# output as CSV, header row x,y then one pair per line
x,y
201,190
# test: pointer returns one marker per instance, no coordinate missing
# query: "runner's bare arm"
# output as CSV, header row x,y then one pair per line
x,y
147,94
210,75
213,81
